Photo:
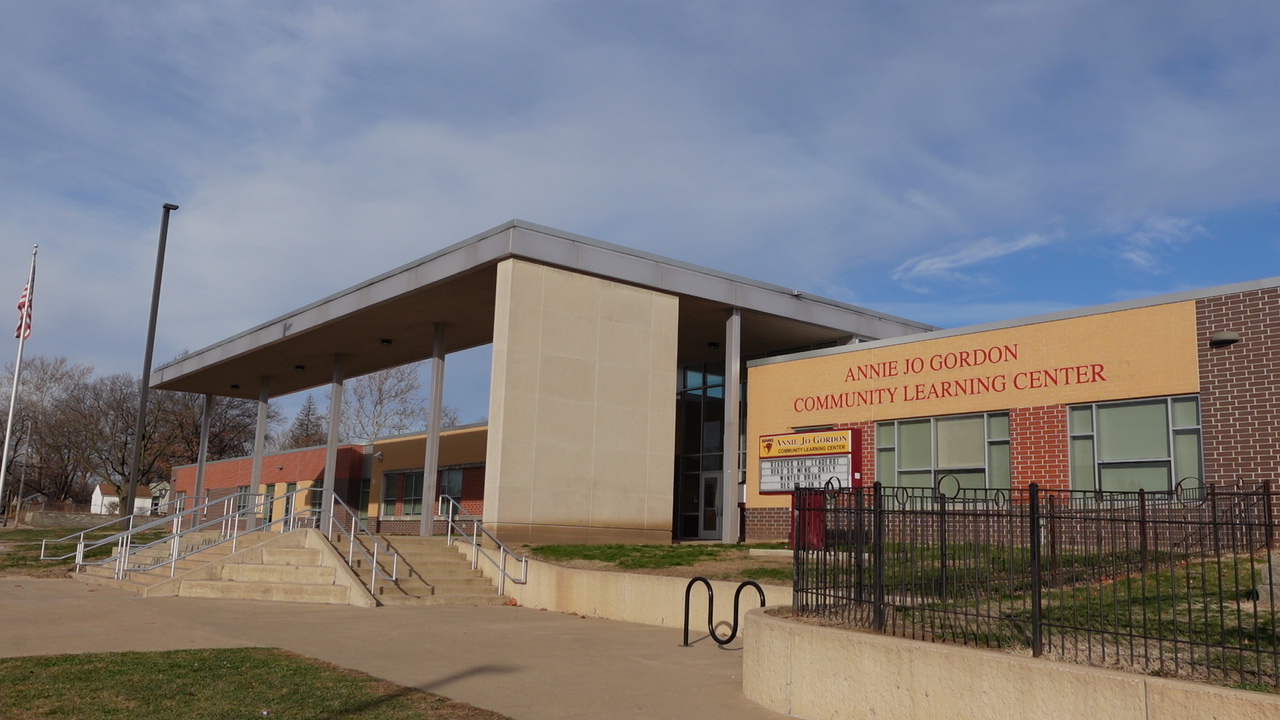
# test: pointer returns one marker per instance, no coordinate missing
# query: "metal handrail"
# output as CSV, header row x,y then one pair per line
x,y
455,509
228,520
357,525
82,547
230,531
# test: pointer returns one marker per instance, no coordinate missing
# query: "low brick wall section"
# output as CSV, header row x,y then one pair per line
x,y
817,673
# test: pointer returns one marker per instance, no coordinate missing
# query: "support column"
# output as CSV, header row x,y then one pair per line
x,y
331,448
729,488
431,463
259,446
202,457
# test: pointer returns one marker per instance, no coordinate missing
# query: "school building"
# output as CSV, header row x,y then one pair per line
x,y
1164,395
617,398
635,398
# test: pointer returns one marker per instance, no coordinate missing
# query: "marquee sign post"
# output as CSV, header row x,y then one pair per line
x,y
802,460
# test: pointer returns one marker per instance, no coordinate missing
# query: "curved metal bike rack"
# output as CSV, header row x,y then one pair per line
x,y
711,606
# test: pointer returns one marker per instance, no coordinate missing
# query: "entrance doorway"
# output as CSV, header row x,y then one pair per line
x,y
700,506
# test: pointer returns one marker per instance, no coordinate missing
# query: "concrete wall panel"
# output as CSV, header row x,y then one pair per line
x,y
582,429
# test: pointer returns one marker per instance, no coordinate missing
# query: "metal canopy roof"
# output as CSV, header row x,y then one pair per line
x,y
389,320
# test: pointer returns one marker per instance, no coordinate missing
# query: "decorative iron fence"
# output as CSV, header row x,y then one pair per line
x,y
1183,583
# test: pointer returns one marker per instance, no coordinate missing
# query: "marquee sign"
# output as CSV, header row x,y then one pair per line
x,y
828,458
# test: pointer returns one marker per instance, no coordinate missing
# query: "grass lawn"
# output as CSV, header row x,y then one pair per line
x,y
209,685
20,550
714,561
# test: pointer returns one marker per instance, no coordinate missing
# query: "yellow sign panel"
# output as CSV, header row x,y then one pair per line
x,y
826,442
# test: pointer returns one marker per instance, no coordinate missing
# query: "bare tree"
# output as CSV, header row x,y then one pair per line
x,y
388,402
51,456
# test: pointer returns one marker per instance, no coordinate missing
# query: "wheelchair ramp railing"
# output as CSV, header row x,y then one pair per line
x,y
237,520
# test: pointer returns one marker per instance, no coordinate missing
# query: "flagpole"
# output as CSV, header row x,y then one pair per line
x,y
126,508
23,325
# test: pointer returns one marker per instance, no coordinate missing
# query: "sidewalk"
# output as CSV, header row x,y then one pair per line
x,y
531,665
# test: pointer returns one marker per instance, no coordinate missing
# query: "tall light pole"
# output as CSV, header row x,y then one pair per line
x,y
126,508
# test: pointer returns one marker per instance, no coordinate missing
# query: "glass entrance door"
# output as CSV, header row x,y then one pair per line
x,y
700,505
709,528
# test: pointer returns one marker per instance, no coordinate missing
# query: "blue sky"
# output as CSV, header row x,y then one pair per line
x,y
952,162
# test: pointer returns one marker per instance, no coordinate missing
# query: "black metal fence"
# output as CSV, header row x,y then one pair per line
x,y
1181,584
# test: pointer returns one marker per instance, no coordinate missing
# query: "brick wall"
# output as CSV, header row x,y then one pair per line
x,y
768,524
1239,403
305,465
1038,446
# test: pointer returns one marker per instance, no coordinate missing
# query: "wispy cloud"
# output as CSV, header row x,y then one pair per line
x,y
947,266
1147,247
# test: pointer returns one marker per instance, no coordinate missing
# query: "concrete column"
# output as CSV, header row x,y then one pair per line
x,y
259,445
732,430
202,457
331,448
431,463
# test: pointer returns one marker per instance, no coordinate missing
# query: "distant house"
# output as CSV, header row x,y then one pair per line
x,y
106,499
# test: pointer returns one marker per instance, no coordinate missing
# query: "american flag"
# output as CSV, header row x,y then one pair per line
x,y
24,315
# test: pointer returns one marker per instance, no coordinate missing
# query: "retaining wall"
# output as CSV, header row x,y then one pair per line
x,y
633,597
815,672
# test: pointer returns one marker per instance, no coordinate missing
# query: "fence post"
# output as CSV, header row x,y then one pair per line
x,y
942,544
1142,526
1037,637
1213,510
1266,512
877,551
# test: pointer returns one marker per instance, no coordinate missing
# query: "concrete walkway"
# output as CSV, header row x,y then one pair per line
x,y
531,665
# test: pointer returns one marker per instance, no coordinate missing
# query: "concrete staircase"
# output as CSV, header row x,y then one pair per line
x,y
430,573
142,580
299,566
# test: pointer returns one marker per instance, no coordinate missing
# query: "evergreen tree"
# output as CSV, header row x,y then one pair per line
x,y
310,427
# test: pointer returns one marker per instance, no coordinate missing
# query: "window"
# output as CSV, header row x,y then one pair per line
x,y
363,508
972,448
451,483
268,503
242,498
402,493
1136,444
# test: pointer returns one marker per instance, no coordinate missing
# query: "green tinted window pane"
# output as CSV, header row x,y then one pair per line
x,y
998,473
916,479
915,444
1080,420
962,442
1082,464
968,480
1186,412
693,378
886,473
1131,477
1186,454
884,435
998,426
1133,431
716,392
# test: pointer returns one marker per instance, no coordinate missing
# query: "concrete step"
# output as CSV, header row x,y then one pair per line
x,y
109,581
272,591
290,556
472,599
307,575
453,587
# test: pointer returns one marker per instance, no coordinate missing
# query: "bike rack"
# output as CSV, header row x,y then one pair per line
x,y
711,606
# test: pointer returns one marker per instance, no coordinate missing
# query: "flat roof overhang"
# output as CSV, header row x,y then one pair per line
x,y
390,320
